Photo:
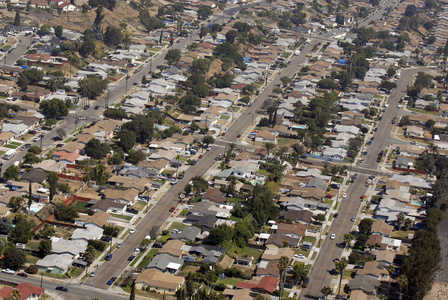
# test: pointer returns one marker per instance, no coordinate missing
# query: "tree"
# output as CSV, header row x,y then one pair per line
x,y
17,18
199,184
432,39
29,76
242,232
189,102
269,146
44,248
12,172
173,56
113,36
387,85
231,36
299,272
201,65
87,48
285,80
365,226
340,266
54,108
320,217
66,213
411,10
282,265
327,83
348,238
16,294
400,220
58,31
14,258
22,232
127,139
98,174
92,86
220,236
95,149
204,12
135,156
326,291
208,139
391,71
5,226
53,183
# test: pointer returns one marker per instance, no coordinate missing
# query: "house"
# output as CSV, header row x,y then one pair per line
x,y
297,216
265,136
404,162
17,129
366,283
244,261
263,285
6,137
89,233
268,268
384,258
414,131
35,176
173,248
158,280
382,228
188,234
298,203
334,154
55,263
66,157
121,196
360,295
140,184
4,211
280,239
72,247
207,222
49,165
215,196
166,263
108,206
39,4
410,150
371,268
27,291
98,219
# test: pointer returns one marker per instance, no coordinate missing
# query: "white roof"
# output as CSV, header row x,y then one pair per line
x,y
264,236
173,266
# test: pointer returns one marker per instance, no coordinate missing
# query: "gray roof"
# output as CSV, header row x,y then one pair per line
x,y
187,234
35,176
363,282
90,233
206,221
317,182
73,247
61,261
161,261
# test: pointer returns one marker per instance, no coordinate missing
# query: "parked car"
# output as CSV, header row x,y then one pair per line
x,y
301,256
353,219
8,271
108,257
131,258
132,210
26,146
336,215
112,280
172,209
306,282
133,230
61,288
22,274
333,236
92,274
119,245
106,238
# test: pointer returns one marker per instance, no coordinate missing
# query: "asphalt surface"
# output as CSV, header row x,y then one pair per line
x,y
75,291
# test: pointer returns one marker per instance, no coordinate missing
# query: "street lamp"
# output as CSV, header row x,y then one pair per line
x,y
127,78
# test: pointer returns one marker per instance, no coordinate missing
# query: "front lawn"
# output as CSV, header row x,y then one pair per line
x,y
177,225
75,272
145,261
311,239
244,252
184,213
231,281
10,146
128,218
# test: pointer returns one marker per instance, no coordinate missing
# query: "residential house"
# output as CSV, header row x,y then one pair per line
x,y
72,247
207,222
6,137
17,129
298,203
366,283
66,157
35,176
4,211
55,263
27,291
410,150
139,184
263,285
382,228
317,182
334,154
371,268
404,162
98,219
121,196
297,216
414,132
384,258
166,263
280,239
174,248
160,281
188,234
49,165
215,196
268,268
265,136
108,206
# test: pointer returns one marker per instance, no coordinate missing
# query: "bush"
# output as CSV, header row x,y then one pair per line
x,y
98,245
32,269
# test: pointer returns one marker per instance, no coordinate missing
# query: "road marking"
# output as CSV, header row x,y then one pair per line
x,y
108,268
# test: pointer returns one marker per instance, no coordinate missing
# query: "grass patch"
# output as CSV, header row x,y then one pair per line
x,y
348,274
81,206
127,218
244,252
236,219
177,225
313,257
236,200
169,172
302,251
184,213
15,143
311,239
422,111
233,281
401,234
59,276
329,202
285,142
145,261
75,272
164,238
380,186
10,146
376,198
71,139
224,117
31,259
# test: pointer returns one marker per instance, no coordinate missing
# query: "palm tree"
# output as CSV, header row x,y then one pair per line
x,y
269,146
340,265
281,153
16,294
326,291
282,264
348,238
390,269
402,283
214,35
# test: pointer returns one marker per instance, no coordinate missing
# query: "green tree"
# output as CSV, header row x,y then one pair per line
x,y
54,108
269,146
326,291
17,18
387,85
282,265
113,36
95,149
201,65
99,174
365,226
189,102
66,213
243,231
12,172
14,258
45,28
87,48
285,80
127,140
22,232
53,183
5,226
92,86
328,84
136,156
58,31
44,248
204,12
348,238
340,265
300,272
208,139
173,56
231,36
220,236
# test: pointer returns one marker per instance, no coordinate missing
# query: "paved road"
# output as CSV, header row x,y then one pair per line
x,y
75,291
23,43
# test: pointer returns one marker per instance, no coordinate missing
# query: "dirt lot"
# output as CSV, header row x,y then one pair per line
x,y
439,291
89,193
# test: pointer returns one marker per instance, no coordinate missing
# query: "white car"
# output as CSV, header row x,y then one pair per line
x,y
333,236
8,271
133,230
301,256
344,195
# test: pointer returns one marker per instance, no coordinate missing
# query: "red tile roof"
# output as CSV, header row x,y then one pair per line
x,y
26,290
266,284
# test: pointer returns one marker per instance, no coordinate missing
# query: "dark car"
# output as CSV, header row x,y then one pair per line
x,y
334,272
131,258
305,282
57,138
22,274
238,136
193,162
336,215
26,146
97,107
132,210
106,238
61,288
158,245
86,107
32,132
59,145
112,280
108,257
